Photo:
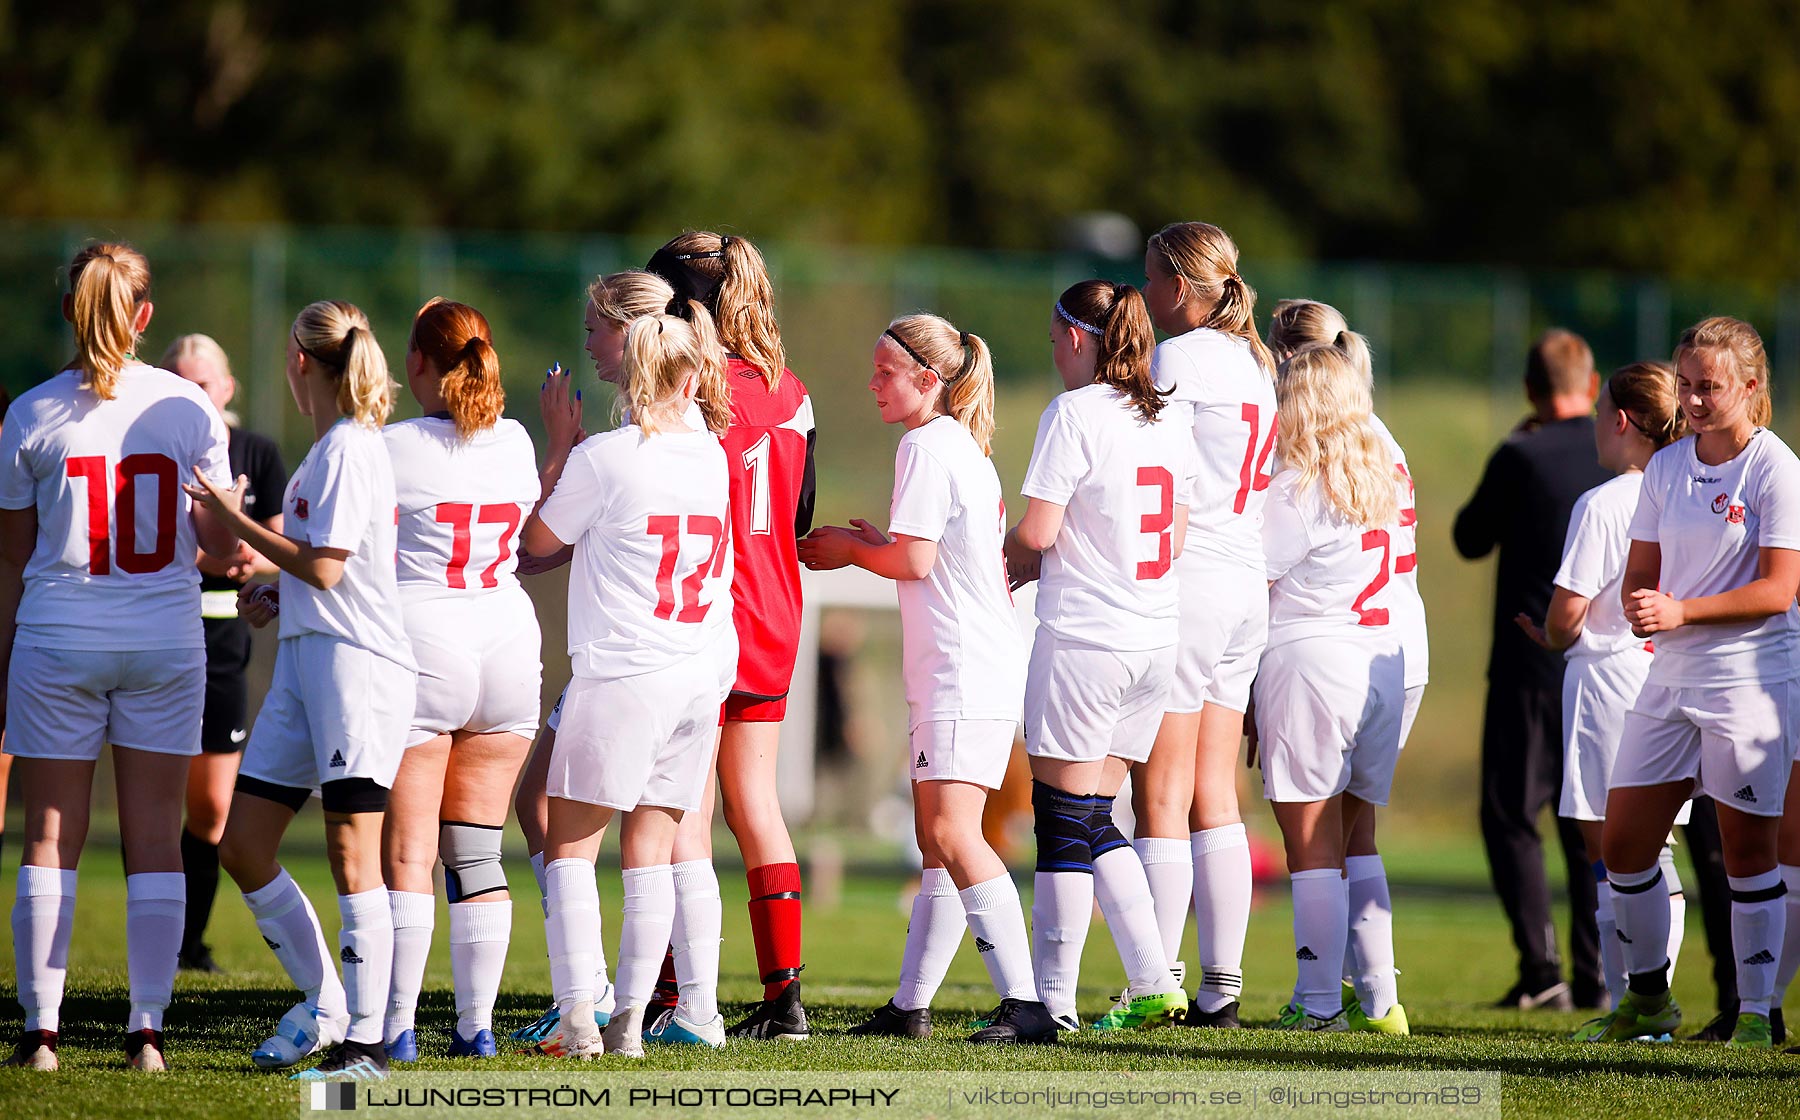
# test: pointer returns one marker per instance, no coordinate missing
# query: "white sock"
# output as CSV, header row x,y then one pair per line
x,y
572,930
1221,913
366,948
1371,934
414,916
645,923
1124,896
1612,950
932,935
155,910
995,916
1321,925
699,916
1790,939
1062,905
1677,908
1641,907
43,919
290,927
1169,868
1758,934
479,934
537,872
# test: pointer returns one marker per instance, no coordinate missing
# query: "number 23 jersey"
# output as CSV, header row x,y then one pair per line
x,y
462,506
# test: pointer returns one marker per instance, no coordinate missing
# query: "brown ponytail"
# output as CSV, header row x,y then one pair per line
x,y
1645,393
1126,339
108,282
1206,258
455,339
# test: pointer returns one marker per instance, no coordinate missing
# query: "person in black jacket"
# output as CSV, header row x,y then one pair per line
x,y
1522,507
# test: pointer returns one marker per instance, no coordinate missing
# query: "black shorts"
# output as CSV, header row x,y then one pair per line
x,y
225,726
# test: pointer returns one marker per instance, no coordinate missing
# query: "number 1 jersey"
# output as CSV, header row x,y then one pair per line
x,y
462,506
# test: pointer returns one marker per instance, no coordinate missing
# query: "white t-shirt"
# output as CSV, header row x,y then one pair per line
x,y
1107,580
1709,522
462,506
342,496
963,654
1328,577
1593,564
113,565
649,518
1229,399
1406,613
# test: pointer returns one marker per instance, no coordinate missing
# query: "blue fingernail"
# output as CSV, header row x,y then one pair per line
x,y
578,396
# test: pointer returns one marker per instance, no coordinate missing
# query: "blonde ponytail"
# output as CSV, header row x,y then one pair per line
x,y
661,350
1205,257
1326,435
337,335
108,282
963,364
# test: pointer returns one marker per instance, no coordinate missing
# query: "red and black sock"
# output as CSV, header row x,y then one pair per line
x,y
668,992
775,923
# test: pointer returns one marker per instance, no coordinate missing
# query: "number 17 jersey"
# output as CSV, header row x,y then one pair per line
x,y
462,505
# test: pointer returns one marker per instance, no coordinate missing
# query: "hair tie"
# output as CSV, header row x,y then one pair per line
x,y
724,244
1063,314
914,354
963,337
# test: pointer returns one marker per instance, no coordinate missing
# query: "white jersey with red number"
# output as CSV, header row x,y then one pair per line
x,y
462,505
963,655
1407,610
342,497
1328,577
1106,581
113,565
1230,401
650,520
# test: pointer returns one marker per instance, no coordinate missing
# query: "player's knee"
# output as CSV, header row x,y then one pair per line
x,y
1103,833
1063,823
471,856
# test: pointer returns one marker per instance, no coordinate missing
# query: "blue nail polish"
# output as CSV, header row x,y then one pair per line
x,y
578,396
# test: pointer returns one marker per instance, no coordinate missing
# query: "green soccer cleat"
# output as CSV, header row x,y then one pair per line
x,y
1394,1022
1591,1030
1294,1017
1753,1032
1143,1012
1639,1017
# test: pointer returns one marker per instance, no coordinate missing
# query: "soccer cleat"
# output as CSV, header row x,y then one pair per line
x,y
1718,1029
1394,1022
144,1051
1556,997
1753,1032
405,1047
539,1029
1178,970
35,1050
1296,1018
1143,1012
624,1035
200,959
481,1046
1591,1030
783,1017
1777,1026
671,1029
1639,1017
349,1061
301,1033
1225,1018
587,1043
897,1022
1018,1020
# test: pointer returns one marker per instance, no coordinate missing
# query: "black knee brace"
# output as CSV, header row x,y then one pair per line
x,y
354,795
1064,831
1106,836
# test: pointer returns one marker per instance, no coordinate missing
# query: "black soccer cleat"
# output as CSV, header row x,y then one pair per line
x,y
896,1022
350,1061
199,959
1017,1020
783,1017
1777,1027
1521,997
1225,1018
1719,1029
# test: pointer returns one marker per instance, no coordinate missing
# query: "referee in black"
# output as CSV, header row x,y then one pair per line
x,y
1522,507
225,726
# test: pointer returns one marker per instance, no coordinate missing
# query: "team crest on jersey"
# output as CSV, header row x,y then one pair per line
x,y
1735,513
1719,504
300,508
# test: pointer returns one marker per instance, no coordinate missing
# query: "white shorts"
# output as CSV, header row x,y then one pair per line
x,y
1083,703
643,740
63,703
334,711
1224,627
1328,714
1734,743
479,666
1597,692
1415,695
962,750
726,651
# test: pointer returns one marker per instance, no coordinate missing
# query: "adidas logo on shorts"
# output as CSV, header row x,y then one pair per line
x,y
337,758
1761,956
983,945
348,956
1306,954
1746,795
920,765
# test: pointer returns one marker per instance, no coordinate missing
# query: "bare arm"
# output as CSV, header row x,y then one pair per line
x,y
1770,593
319,567
1562,625
900,557
1026,541
561,410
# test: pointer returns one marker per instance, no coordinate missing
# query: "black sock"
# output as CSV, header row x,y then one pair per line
x,y
200,863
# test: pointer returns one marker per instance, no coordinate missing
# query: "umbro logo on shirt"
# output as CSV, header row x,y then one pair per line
x,y
921,764
1306,954
348,956
1761,956
337,758
983,945
1746,795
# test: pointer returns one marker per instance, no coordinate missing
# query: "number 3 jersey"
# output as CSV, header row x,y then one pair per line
x,y
650,520
113,564
1106,580
1328,577
462,505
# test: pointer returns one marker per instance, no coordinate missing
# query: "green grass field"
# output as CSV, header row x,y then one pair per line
x,y
1451,945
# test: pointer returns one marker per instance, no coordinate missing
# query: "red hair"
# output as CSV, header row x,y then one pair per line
x,y
455,339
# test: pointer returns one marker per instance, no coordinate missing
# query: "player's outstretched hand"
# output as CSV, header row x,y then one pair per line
x,y
1650,611
208,493
1022,564
259,603
1534,631
560,404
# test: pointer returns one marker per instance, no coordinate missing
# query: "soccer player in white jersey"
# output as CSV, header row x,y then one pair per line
x,y
1190,832
1330,689
1108,485
466,478
1369,952
1711,576
647,508
1636,416
963,658
100,602
336,717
